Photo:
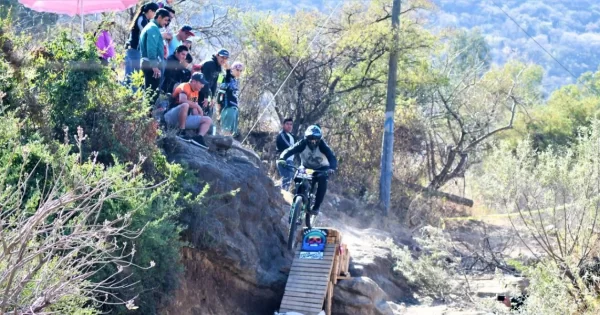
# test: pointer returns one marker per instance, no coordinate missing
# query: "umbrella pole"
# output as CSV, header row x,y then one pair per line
x,y
81,18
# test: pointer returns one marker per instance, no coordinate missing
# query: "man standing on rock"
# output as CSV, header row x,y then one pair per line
x,y
186,97
151,50
284,140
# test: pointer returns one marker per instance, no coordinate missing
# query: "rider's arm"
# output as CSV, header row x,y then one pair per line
x,y
295,149
329,154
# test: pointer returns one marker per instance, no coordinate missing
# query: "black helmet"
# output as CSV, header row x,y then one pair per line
x,y
313,135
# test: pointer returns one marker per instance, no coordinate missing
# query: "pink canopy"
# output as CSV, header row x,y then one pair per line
x,y
78,7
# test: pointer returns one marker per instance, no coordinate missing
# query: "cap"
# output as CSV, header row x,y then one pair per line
x,y
198,76
188,29
197,67
223,53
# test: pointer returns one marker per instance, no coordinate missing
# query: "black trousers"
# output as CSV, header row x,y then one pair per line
x,y
150,81
321,182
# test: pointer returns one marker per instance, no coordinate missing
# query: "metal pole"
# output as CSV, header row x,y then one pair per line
x,y
387,152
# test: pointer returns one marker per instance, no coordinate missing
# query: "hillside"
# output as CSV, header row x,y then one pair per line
x,y
566,29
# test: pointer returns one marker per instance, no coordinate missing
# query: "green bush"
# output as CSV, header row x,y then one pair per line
x,y
60,87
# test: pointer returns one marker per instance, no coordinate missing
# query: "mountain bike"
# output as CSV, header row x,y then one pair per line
x,y
303,201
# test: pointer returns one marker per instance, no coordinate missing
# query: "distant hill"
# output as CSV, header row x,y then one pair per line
x,y
569,30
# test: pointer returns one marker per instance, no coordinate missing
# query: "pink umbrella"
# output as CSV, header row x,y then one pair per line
x,y
78,7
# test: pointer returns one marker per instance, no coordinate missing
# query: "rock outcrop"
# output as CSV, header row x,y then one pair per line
x,y
360,296
236,257
236,261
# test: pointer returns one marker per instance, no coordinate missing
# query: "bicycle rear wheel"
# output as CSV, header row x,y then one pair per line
x,y
294,214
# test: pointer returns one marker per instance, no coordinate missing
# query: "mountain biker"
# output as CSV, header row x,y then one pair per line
x,y
314,154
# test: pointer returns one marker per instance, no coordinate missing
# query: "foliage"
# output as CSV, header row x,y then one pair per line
x,y
60,86
555,194
432,270
557,122
54,237
467,105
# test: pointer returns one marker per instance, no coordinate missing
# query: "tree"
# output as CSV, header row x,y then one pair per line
x,y
553,196
347,57
464,107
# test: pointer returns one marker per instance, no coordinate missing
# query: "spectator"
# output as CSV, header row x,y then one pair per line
x,y
174,70
163,3
187,71
144,14
104,42
151,49
166,32
211,70
285,140
185,99
228,99
184,33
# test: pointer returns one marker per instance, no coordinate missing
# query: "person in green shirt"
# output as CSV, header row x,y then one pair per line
x,y
152,51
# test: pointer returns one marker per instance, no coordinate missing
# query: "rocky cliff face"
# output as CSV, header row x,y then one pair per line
x,y
236,259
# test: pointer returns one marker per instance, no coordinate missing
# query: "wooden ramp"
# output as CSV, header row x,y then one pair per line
x,y
309,288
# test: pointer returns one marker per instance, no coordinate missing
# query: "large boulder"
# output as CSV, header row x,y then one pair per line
x,y
360,296
236,259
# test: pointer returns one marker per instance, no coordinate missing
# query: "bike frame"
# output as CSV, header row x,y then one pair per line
x,y
305,188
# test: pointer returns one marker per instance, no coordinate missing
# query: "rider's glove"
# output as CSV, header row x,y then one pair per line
x,y
330,171
281,162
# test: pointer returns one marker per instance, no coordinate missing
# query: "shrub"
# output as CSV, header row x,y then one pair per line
x,y
62,86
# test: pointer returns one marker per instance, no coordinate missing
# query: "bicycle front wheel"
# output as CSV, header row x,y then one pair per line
x,y
294,214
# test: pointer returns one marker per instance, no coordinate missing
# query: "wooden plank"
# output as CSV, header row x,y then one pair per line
x,y
317,306
323,281
334,271
313,279
303,294
304,287
321,291
328,300
299,309
304,271
313,290
312,263
313,307
316,301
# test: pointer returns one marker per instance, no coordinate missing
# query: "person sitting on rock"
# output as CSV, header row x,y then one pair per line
x,y
175,69
185,112
314,154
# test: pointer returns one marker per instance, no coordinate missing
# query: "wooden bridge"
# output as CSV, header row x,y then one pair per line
x,y
309,288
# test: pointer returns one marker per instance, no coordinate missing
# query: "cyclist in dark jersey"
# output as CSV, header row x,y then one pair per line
x,y
314,154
